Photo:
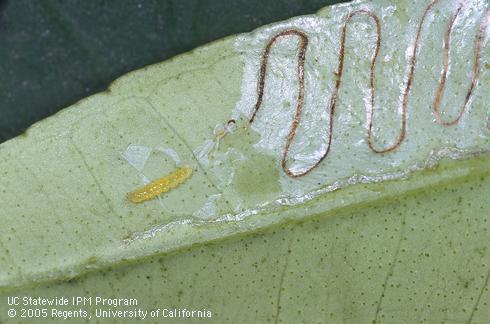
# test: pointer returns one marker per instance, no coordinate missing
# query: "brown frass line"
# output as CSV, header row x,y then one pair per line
x,y
303,44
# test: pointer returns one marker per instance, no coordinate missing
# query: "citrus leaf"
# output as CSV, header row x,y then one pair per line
x,y
362,233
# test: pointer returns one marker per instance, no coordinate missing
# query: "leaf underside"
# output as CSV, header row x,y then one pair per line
x,y
410,249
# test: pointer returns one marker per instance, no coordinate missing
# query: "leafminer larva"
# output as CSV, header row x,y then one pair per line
x,y
161,185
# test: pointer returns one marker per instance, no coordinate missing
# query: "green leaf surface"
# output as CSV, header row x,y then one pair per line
x,y
398,237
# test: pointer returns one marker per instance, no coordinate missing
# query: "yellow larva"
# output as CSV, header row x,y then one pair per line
x,y
161,185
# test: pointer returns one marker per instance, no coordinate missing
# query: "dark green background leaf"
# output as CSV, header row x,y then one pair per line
x,y
54,53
